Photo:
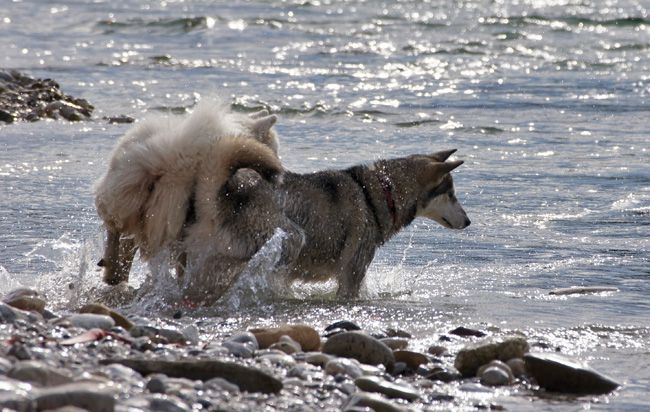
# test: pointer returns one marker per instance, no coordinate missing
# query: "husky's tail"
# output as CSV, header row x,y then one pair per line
x,y
224,160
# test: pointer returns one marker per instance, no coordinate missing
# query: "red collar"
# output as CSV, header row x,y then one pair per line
x,y
384,181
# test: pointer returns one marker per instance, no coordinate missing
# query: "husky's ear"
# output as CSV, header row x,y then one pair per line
x,y
262,126
257,115
443,155
435,171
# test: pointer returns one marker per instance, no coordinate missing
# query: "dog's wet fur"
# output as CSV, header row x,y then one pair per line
x,y
239,195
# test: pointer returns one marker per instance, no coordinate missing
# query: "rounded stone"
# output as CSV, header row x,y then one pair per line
x,y
318,358
473,356
363,400
99,309
241,350
361,347
344,366
390,389
395,343
286,345
497,364
305,335
246,338
559,374
38,374
410,358
517,366
437,350
91,321
494,376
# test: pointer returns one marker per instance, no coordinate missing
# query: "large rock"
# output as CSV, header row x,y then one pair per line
x,y
246,378
361,347
558,374
473,356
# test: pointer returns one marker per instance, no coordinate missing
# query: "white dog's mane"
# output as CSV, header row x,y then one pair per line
x,y
154,169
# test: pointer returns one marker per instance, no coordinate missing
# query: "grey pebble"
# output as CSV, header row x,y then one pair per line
x,y
89,396
38,373
91,321
390,389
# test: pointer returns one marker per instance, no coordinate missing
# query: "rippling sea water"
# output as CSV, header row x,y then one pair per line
x,y
546,101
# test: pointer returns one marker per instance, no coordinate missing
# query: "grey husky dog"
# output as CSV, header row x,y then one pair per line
x,y
211,189
334,220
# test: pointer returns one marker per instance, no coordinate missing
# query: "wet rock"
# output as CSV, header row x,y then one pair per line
x,y
120,119
390,389
99,309
497,364
345,325
395,343
363,400
246,338
89,396
246,378
410,358
472,357
558,374
25,98
166,403
275,357
5,365
8,314
305,335
37,373
20,351
16,402
286,345
220,385
361,347
318,358
517,366
494,376
437,350
6,117
25,299
344,366
443,375
16,396
397,333
156,384
91,321
581,290
464,332
240,350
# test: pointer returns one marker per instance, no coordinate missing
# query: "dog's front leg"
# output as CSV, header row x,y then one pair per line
x,y
118,257
353,273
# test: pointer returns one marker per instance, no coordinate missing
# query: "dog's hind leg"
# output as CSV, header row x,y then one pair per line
x,y
118,257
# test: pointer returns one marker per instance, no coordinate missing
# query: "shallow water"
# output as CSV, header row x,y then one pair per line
x,y
546,101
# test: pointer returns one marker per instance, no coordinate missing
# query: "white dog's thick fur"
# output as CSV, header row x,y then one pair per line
x,y
160,163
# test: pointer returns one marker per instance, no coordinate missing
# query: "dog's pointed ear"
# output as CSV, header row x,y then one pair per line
x,y
443,155
435,171
449,166
264,124
259,114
